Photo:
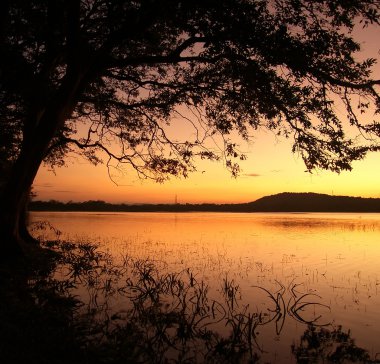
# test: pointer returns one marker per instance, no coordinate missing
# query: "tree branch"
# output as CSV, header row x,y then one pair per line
x,y
186,44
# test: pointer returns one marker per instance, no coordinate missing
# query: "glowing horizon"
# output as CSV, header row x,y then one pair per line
x,y
274,169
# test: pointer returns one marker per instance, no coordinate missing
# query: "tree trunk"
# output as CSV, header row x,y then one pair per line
x,y
14,236
14,199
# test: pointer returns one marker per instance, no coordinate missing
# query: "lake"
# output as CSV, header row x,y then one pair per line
x,y
318,267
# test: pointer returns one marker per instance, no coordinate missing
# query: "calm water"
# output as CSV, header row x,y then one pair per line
x,y
335,257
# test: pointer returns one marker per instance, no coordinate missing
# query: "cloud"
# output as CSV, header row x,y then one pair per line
x,y
252,175
276,170
65,191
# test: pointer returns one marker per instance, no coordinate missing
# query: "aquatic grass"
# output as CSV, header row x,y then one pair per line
x,y
230,291
166,315
292,306
136,310
171,314
317,274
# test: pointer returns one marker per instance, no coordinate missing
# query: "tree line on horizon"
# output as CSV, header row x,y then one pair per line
x,y
282,202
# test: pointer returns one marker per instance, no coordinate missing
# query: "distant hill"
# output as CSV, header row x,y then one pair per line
x,y
282,202
314,202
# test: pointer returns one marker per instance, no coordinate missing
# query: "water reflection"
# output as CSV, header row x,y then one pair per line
x,y
330,346
135,313
334,256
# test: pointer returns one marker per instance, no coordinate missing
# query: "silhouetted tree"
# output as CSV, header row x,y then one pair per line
x,y
87,75
329,346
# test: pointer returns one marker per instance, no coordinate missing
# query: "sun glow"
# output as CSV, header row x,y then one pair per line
x,y
270,168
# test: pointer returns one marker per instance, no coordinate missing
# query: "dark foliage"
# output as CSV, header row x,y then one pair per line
x,y
329,346
237,65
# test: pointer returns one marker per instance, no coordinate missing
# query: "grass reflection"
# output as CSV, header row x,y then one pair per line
x,y
135,312
82,307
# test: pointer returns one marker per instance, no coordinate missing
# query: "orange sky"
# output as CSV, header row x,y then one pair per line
x,y
270,168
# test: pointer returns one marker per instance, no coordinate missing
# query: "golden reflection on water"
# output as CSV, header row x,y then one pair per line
x,y
335,256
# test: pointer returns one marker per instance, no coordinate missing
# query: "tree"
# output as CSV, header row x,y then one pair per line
x,y
319,344
126,70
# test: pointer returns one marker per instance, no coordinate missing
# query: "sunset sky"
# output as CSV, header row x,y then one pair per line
x,y
270,168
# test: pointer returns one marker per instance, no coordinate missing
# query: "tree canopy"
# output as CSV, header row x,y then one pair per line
x,y
127,70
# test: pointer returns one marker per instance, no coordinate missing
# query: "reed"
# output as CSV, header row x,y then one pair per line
x,y
134,311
